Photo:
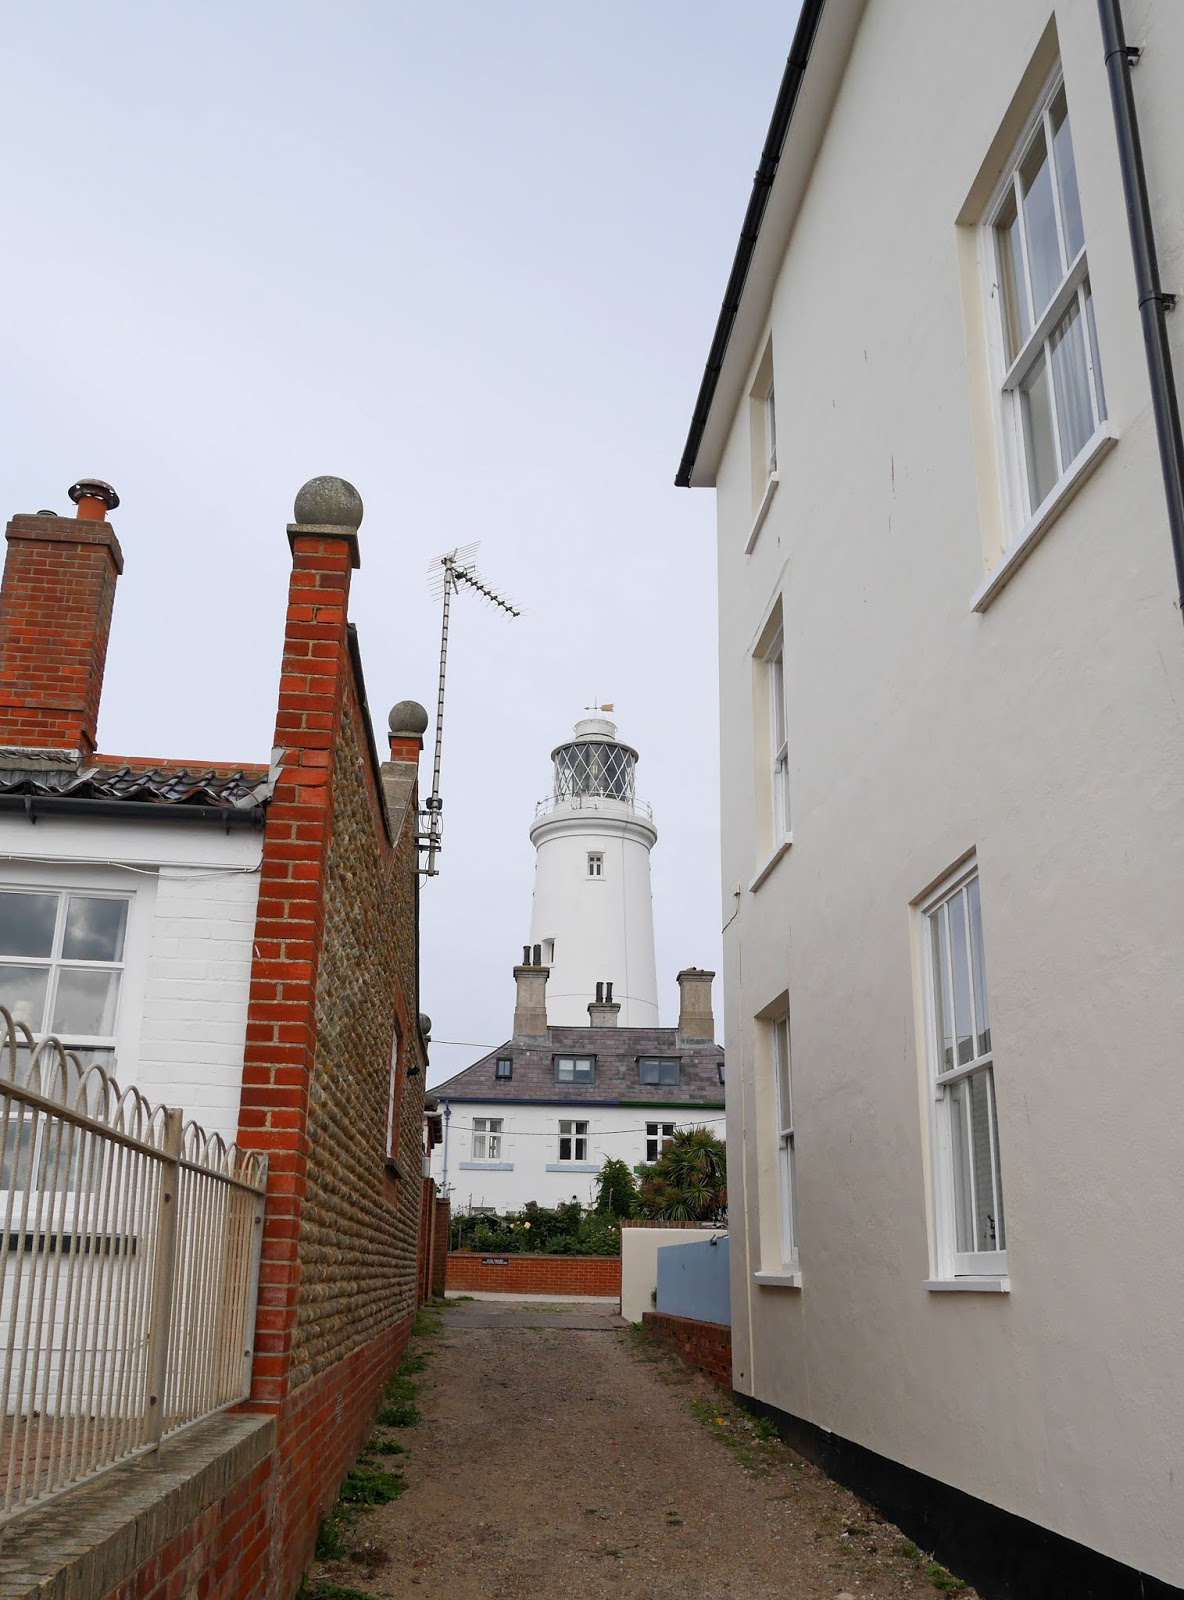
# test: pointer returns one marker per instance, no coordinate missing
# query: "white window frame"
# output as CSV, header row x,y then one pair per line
x,y
596,863
575,1074
770,420
787,1168
392,1131
81,1044
1008,373
656,1135
778,740
575,1133
944,1077
487,1138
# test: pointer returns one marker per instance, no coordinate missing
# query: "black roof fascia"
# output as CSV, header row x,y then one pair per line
x,y
47,805
355,656
762,184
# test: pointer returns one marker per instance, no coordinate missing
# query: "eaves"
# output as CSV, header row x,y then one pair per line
x,y
809,86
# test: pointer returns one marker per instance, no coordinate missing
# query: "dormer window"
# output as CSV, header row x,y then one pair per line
x,y
575,1069
663,1070
504,1069
595,864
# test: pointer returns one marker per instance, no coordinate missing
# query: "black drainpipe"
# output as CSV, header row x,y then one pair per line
x,y
1153,303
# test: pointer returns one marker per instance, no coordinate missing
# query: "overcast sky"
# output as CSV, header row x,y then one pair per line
x,y
468,256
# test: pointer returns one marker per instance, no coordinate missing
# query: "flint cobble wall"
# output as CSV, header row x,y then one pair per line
x,y
531,1274
359,1224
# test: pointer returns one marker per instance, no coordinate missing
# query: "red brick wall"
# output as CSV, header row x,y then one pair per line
x,y
706,1346
55,619
440,1246
529,1274
258,1539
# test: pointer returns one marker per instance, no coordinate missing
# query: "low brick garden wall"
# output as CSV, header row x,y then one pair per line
x,y
470,1272
706,1346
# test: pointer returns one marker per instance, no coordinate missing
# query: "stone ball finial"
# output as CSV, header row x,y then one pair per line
x,y
408,717
328,503
425,1024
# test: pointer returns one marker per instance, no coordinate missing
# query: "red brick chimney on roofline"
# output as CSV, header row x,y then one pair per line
x,y
55,620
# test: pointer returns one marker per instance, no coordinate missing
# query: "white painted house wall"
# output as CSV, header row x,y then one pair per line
x,y
529,1167
182,1016
1044,733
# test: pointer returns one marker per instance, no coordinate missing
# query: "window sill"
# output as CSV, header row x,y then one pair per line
x,y
1094,453
968,1285
764,871
762,511
487,1166
573,1166
393,1169
790,1278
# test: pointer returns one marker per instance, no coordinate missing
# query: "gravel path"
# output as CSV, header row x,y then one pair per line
x,y
560,1455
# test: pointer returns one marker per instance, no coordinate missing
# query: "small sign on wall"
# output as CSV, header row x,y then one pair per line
x,y
495,1261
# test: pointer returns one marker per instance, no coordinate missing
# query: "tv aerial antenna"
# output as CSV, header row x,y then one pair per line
x,y
448,575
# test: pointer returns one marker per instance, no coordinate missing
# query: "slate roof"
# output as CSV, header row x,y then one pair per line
x,y
618,1078
159,783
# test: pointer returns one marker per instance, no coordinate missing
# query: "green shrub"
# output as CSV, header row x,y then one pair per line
x,y
616,1190
689,1180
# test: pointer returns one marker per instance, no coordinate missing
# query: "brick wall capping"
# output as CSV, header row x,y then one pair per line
x,y
65,530
93,1539
326,530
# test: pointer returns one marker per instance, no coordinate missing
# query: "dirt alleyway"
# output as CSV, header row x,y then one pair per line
x,y
559,1455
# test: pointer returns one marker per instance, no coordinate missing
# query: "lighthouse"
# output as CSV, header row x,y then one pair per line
x,y
593,915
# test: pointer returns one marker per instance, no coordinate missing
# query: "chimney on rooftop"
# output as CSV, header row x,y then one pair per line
x,y
696,1024
530,1008
55,620
604,1010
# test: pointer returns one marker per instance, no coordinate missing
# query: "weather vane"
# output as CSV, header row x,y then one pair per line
x,y
447,575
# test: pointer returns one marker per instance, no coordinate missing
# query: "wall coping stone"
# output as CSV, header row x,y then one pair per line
x,y
90,1539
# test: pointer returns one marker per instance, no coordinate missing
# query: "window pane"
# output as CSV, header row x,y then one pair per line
x,y
978,964
960,972
1037,412
1000,1225
94,929
945,1038
22,990
1062,149
16,1159
979,1088
777,699
1071,379
86,1001
781,1067
959,1102
649,1072
1040,224
1017,324
1093,351
27,923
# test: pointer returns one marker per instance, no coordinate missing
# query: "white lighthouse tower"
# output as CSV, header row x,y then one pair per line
x,y
593,907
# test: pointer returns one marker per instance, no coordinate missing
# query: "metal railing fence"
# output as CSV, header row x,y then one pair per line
x,y
131,1247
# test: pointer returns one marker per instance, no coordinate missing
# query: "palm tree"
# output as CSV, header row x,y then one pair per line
x,y
689,1181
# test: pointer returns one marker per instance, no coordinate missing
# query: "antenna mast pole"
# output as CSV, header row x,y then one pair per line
x,y
434,805
450,572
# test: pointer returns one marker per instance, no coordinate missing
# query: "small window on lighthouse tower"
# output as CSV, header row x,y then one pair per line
x,y
595,864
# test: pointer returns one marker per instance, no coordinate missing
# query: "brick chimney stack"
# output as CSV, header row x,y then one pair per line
x,y
530,1009
55,620
696,1023
604,1010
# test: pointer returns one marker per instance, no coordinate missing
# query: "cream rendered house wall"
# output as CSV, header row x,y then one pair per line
x,y
1046,734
